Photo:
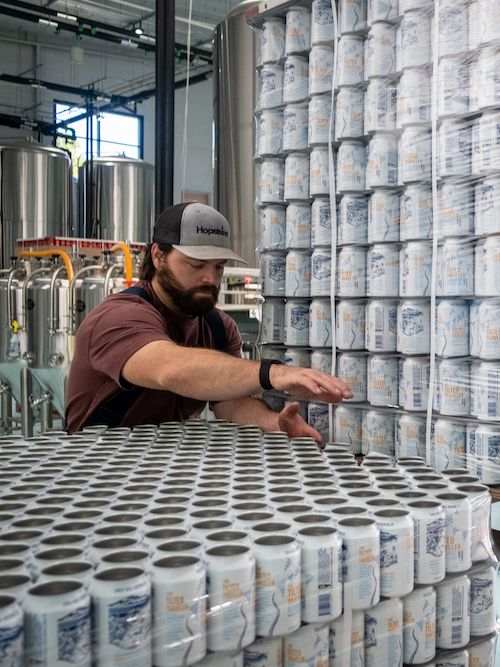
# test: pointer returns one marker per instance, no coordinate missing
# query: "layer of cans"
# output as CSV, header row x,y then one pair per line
x,y
213,544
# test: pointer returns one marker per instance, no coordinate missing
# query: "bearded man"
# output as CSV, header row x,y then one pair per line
x,y
160,350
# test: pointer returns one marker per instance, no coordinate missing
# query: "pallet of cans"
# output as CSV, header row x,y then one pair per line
x,y
380,260
213,544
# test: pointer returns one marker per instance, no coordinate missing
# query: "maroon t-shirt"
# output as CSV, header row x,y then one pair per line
x,y
110,335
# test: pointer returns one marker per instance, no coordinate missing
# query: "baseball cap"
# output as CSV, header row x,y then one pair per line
x,y
196,230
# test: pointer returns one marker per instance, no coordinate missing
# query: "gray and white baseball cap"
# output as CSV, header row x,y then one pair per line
x,y
196,230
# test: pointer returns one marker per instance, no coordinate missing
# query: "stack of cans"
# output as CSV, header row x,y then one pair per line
x,y
213,544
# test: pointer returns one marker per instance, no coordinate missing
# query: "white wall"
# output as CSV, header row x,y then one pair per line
x,y
109,73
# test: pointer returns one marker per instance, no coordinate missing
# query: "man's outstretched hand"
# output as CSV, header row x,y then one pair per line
x,y
292,423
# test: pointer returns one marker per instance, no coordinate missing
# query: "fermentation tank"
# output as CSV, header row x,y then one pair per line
x,y
235,98
122,206
35,193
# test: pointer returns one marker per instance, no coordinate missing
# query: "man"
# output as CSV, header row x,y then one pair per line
x,y
161,350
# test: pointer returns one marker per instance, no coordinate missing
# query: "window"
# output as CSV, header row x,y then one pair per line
x,y
112,133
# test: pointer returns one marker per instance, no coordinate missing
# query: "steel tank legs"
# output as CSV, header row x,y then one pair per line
x,y
5,408
26,411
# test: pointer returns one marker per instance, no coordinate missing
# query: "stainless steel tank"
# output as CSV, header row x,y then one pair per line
x,y
35,193
122,207
12,358
93,289
235,98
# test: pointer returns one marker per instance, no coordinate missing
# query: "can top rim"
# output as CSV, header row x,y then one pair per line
x,y
61,587
275,540
119,573
176,561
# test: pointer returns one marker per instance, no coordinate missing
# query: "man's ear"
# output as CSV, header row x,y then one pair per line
x,y
156,255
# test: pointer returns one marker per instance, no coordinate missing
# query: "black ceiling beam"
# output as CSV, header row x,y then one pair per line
x,y
94,30
60,88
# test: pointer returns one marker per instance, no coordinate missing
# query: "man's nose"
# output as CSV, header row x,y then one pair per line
x,y
211,276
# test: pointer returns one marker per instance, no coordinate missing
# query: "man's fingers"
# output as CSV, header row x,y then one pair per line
x,y
290,411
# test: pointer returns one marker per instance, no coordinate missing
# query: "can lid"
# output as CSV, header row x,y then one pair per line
x,y
55,588
12,580
119,573
357,521
118,529
318,531
70,538
451,496
312,518
424,504
125,556
392,512
166,533
176,561
473,488
228,550
179,545
6,600
275,540
72,567
115,543
54,554
226,535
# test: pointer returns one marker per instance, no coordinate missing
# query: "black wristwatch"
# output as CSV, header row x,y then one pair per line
x,y
265,366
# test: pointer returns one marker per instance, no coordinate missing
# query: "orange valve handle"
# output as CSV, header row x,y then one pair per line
x,y
47,253
129,280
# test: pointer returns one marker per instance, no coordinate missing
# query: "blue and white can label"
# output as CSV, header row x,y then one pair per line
x,y
321,222
350,325
381,326
298,225
295,127
452,328
320,323
297,322
382,270
352,223
416,213
383,217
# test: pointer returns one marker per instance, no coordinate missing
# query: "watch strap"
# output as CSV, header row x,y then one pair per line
x,y
265,367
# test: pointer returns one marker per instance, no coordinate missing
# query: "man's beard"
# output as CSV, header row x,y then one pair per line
x,y
185,299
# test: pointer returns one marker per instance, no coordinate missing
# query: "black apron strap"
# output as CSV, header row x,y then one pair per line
x,y
113,411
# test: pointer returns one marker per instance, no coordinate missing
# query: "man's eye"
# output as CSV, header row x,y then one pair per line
x,y
197,266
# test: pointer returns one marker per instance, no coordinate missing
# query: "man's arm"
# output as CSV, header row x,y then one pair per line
x,y
255,411
209,375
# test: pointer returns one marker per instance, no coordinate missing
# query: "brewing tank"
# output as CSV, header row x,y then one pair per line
x,y
235,98
122,201
12,360
35,193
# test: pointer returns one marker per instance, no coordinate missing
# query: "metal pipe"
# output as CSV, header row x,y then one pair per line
x,y
5,407
27,280
107,280
45,416
53,302
10,280
72,287
26,411
164,104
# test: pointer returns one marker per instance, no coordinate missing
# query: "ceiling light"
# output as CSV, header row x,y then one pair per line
x,y
128,42
67,16
47,22
139,31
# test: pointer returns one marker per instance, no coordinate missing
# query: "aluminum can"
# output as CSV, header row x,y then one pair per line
x,y
308,645
474,328
380,51
321,360
452,613
414,97
453,387
384,634
295,127
321,272
382,270
453,86
458,268
179,633
378,430
273,352
396,551
360,561
416,213
416,269
298,30
321,573
491,255
352,16
271,86
320,113
429,540
489,330
347,427
272,40
350,323
222,659
352,271
456,208
488,395
57,624
298,273
482,601
410,436
265,652
319,172
272,221
479,284
452,328
381,319
352,370
458,531
414,327
347,651
487,446
277,607
230,587
75,570
297,357
273,321
352,224
384,382
122,616
383,216
12,631
415,39
480,502
321,222
295,79
382,161
380,10
414,155
449,443
470,440
453,26
296,322
351,166
318,418
487,216
321,22
269,132
454,146
272,181
320,323
419,626
297,176
350,61
474,25
298,225
320,69
380,104
489,126
483,654
488,86
349,115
